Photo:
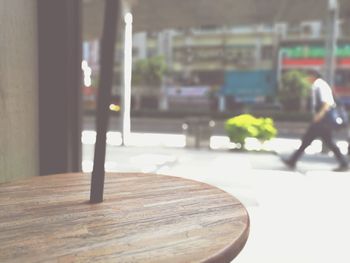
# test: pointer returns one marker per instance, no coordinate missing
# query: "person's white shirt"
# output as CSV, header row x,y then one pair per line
x,y
325,93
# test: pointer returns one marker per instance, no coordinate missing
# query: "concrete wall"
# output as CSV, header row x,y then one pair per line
x,y
18,89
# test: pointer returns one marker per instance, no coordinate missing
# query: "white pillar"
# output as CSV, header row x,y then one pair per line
x,y
222,103
163,102
127,77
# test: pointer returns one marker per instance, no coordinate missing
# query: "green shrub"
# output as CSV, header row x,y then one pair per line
x,y
243,126
294,88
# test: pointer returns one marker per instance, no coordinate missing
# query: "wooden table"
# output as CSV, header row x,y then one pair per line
x,y
144,218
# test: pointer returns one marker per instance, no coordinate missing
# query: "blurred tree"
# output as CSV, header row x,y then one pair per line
x,y
149,72
294,90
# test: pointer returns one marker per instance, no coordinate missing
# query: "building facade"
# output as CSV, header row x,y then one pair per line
x,y
213,68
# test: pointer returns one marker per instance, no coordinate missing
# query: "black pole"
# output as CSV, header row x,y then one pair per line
x,y
111,15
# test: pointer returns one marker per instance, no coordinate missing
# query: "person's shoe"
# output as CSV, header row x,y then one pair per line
x,y
341,168
288,163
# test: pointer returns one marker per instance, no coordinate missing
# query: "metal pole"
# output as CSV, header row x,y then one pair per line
x,y
112,10
331,41
281,54
331,46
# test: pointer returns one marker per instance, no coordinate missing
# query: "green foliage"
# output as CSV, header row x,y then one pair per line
x,y
243,126
266,129
294,87
149,71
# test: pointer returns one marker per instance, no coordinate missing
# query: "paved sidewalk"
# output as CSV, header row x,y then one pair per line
x,y
296,216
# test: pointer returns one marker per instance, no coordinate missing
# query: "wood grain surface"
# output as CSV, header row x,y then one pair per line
x,y
144,218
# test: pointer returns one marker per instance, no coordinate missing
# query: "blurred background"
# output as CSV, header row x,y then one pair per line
x,y
220,66
197,64
193,65
219,90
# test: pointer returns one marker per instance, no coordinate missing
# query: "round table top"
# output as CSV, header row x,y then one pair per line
x,y
144,218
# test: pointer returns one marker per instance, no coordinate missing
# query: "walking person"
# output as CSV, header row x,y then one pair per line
x,y
322,101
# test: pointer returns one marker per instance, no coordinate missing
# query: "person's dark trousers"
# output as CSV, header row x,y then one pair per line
x,y
318,130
